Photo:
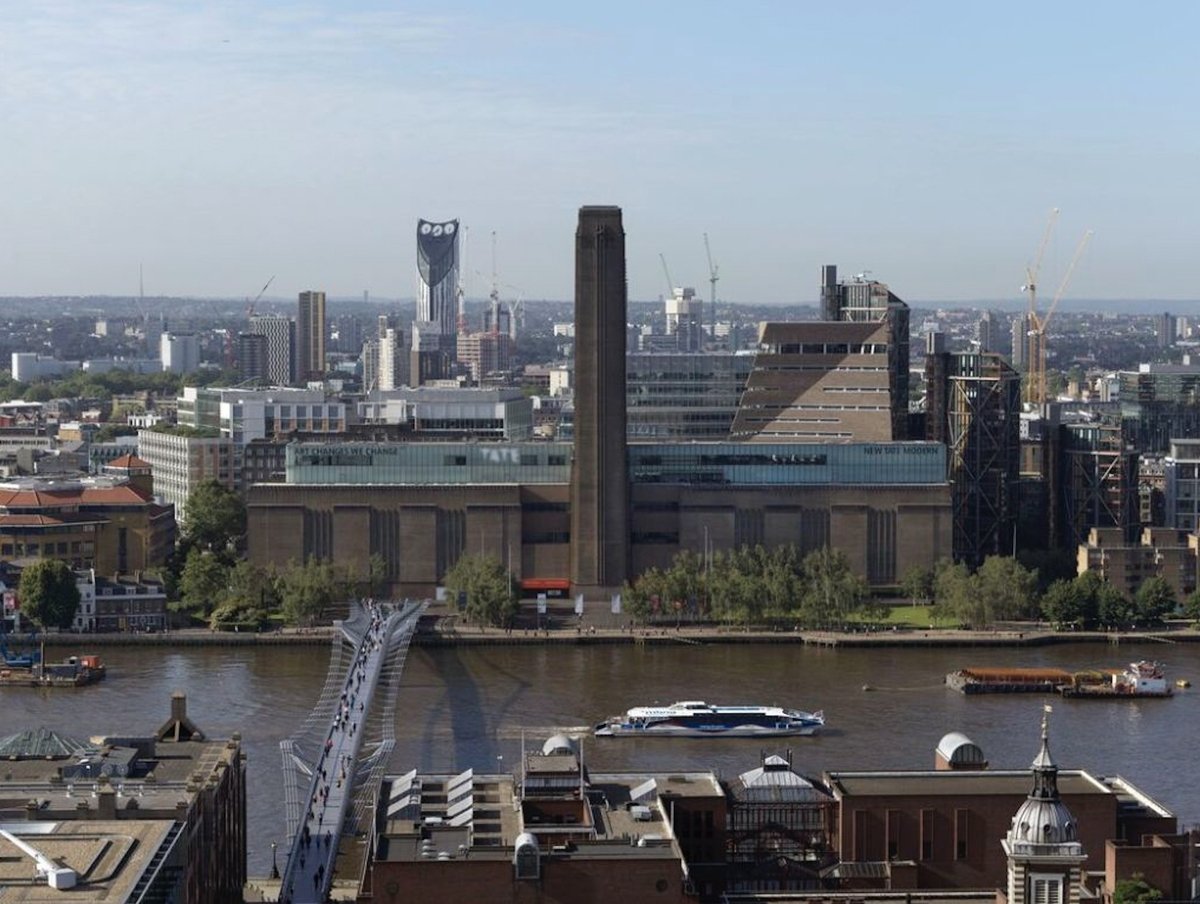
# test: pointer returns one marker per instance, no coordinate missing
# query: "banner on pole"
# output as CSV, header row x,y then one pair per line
x,y
616,604
579,604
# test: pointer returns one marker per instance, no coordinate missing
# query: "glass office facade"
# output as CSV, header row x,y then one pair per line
x,y
719,464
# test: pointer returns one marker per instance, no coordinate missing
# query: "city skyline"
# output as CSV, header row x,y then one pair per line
x,y
924,144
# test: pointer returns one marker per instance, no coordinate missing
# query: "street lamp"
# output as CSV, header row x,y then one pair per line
x,y
274,863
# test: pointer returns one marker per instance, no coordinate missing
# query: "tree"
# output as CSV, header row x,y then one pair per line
x,y
204,582
953,592
490,589
1005,590
308,590
1135,890
48,594
917,583
1063,603
252,595
216,519
1113,609
377,576
832,589
1191,606
1154,599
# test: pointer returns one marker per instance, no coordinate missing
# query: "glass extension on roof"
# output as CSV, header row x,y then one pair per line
x,y
757,464
428,463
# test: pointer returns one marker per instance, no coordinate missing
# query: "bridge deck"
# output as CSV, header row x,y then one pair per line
x,y
378,632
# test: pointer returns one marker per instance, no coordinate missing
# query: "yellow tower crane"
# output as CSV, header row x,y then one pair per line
x,y
1039,324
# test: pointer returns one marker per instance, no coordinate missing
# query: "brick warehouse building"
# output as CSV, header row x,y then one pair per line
x,y
589,516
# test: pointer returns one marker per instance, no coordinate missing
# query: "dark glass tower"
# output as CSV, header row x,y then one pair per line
x,y
599,478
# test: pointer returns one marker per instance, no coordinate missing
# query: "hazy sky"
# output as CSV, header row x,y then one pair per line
x,y
221,143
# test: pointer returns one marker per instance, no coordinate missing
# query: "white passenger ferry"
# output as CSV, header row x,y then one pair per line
x,y
696,719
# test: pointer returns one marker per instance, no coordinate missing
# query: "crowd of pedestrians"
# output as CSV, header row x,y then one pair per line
x,y
334,770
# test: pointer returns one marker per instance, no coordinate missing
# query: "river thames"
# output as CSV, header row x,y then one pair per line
x,y
470,706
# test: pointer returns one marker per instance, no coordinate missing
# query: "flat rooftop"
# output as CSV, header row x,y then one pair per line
x,y
954,784
110,857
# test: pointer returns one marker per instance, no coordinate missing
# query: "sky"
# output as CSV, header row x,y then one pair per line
x,y
217,144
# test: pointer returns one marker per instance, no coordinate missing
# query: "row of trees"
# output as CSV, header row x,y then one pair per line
x,y
1002,589
754,585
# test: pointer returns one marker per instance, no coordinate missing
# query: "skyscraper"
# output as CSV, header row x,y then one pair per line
x,y
281,346
310,336
600,484
253,351
437,277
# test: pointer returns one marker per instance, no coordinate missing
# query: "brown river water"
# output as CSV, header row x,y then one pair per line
x,y
471,706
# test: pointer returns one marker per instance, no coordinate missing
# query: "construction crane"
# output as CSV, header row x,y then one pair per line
x,y
712,290
1030,288
667,273
261,292
1038,325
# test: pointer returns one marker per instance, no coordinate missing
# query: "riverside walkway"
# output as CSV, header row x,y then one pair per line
x,y
333,764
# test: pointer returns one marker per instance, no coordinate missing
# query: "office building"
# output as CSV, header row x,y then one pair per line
x,y
1181,490
310,337
253,357
600,482
159,816
500,414
1020,342
438,280
246,414
431,355
1160,402
181,461
30,366
675,396
987,332
485,354
1164,330
973,405
281,347
685,313
180,352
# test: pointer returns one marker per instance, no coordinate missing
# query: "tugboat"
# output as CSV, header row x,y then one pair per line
x,y
1143,678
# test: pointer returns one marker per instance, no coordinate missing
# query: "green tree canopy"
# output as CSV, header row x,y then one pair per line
x,y
48,594
1006,589
490,590
216,519
1063,603
1113,608
1191,606
1154,600
917,583
1135,890
203,583
307,591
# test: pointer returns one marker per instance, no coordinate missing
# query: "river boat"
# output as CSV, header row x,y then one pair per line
x,y
74,671
696,719
1143,678
1140,679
